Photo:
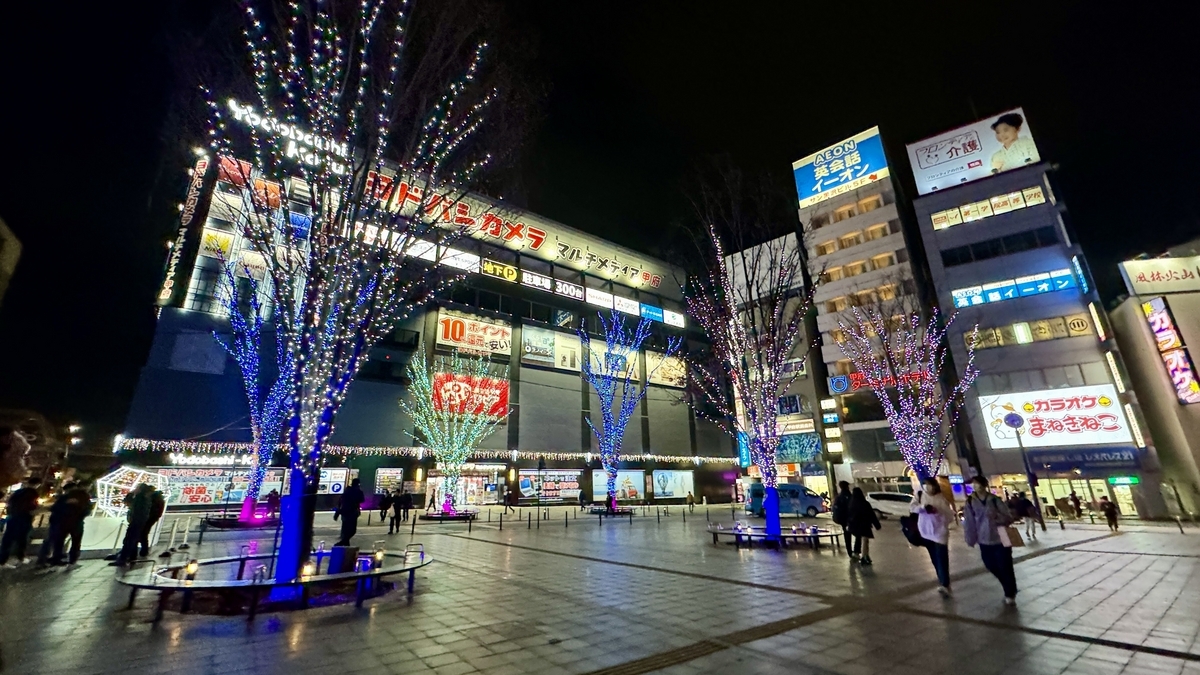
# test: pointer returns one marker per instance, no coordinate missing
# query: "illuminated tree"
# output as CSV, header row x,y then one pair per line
x,y
611,370
752,305
904,361
377,143
267,410
455,405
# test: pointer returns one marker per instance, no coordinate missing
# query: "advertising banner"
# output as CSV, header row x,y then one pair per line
x,y
550,348
990,146
1101,459
840,168
673,484
669,371
466,395
1161,275
203,486
333,481
548,486
388,480
1175,355
799,448
459,330
614,363
630,485
1089,415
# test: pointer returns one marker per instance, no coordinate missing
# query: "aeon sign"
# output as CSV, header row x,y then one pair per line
x,y
303,146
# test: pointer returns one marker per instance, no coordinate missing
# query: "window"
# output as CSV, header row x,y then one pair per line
x,y
881,261
856,268
994,206
870,203
844,367
887,292
852,239
832,274
994,248
836,305
837,335
877,232
866,298
826,248
844,213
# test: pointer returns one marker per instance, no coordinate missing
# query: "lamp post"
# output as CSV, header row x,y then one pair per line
x,y
1016,422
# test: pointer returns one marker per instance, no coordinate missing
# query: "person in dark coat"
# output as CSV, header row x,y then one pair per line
x,y
66,520
385,506
272,503
79,498
841,511
1111,513
862,519
21,505
158,506
139,503
349,511
406,504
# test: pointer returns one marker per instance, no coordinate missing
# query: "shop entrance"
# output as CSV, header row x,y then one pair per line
x,y
1124,498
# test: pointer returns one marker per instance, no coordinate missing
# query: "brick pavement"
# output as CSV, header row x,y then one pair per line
x,y
654,596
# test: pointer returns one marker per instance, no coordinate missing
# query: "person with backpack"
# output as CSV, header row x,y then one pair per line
x,y
1111,512
1028,511
862,519
983,515
935,516
841,510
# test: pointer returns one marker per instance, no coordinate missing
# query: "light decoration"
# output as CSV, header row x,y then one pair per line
x,y
752,305
245,344
902,359
455,413
334,92
611,372
112,488
223,448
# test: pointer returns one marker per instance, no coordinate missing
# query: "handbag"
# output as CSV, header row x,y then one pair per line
x,y
1010,536
908,526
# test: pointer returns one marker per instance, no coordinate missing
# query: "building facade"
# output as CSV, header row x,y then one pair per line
x,y
1051,409
1156,326
530,284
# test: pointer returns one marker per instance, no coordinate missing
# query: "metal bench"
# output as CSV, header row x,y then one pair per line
x,y
166,579
749,534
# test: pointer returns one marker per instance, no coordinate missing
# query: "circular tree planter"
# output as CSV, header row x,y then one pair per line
x,y
235,523
457,517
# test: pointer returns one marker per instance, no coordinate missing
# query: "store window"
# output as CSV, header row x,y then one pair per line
x,y
881,261
856,268
852,239
827,247
870,203
833,274
844,213
887,292
876,232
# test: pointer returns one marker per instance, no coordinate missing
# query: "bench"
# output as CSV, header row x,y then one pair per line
x,y
165,579
750,534
619,511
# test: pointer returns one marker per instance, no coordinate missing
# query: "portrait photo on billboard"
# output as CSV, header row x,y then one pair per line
x,y
990,146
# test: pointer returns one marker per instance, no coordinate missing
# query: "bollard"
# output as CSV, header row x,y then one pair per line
x,y
566,520
1179,522
469,521
539,522
659,514
245,552
501,521
187,527
203,528
1092,515
529,521
600,519
171,548
706,516
413,530
685,516
489,515
1061,524
631,517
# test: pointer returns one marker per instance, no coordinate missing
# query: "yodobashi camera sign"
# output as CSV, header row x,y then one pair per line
x,y
840,168
299,144
993,145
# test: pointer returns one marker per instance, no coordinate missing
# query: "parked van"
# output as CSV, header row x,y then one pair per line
x,y
793,498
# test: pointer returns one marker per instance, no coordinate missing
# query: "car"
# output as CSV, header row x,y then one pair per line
x,y
890,503
793,498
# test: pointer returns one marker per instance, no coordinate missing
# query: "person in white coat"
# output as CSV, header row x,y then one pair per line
x,y
935,517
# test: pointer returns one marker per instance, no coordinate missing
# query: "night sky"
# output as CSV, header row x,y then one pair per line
x,y
638,96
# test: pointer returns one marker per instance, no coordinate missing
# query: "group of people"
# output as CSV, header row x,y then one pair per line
x,y
395,507
70,507
144,506
985,520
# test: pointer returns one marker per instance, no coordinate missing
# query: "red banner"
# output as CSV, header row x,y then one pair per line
x,y
464,394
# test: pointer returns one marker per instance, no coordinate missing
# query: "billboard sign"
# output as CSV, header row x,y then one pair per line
x,y
669,484
198,486
467,395
1174,352
1162,275
994,145
840,168
549,485
630,485
670,371
550,348
388,480
1089,415
458,330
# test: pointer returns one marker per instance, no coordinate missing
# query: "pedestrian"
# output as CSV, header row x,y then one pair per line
x,y
1028,511
21,505
406,504
139,504
1077,503
935,516
385,506
510,501
582,501
80,500
158,506
349,511
983,515
52,543
66,520
691,502
272,503
1111,512
861,519
841,512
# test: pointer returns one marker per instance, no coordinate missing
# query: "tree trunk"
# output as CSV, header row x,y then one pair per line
x,y
248,508
299,509
771,511
611,473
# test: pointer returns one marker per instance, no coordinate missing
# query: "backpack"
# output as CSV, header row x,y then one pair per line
x,y
908,526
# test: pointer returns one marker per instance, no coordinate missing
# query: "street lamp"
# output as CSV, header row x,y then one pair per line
x,y
75,428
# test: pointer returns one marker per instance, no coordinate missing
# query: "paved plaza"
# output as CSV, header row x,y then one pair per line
x,y
652,596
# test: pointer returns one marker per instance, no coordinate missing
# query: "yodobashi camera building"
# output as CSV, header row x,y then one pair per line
x,y
1002,254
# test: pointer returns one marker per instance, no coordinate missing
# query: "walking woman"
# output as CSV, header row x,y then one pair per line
x,y
862,519
982,515
841,510
935,516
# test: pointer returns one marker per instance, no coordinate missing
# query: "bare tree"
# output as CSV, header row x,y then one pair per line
x,y
752,304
